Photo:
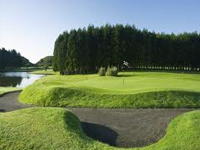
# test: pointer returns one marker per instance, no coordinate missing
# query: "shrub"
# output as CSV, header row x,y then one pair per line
x,y
108,72
111,71
102,71
114,71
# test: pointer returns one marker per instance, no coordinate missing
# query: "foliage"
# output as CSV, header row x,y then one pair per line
x,y
86,50
46,61
111,71
56,128
142,90
12,59
102,71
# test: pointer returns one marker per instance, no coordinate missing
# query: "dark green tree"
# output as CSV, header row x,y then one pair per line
x,y
86,50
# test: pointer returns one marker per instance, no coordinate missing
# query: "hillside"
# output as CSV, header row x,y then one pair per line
x,y
46,61
12,59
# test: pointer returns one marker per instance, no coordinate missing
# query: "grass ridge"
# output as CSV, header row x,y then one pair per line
x,y
73,97
57,128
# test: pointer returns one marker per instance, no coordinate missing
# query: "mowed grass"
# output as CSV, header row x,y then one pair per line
x,y
131,90
57,128
33,70
45,72
4,90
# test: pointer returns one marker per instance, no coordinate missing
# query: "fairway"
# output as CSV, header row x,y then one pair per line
x,y
128,90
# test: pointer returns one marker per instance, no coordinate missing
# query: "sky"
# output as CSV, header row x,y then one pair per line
x,y
32,26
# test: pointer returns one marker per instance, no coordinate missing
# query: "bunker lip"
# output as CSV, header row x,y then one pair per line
x,y
117,127
127,127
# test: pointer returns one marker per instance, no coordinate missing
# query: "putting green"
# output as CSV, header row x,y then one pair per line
x,y
133,90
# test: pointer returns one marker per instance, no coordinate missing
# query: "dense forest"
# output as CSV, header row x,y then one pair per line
x,y
12,59
86,50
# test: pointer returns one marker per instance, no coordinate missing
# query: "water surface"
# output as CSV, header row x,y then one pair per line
x,y
17,79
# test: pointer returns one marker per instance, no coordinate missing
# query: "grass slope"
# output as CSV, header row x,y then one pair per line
x,y
56,128
4,90
47,72
141,90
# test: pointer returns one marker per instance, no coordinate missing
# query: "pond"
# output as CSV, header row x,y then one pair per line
x,y
17,79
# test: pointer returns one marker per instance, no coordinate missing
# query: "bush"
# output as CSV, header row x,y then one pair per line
x,y
102,71
115,71
111,71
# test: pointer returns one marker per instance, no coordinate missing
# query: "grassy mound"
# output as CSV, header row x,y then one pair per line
x,y
140,90
56,128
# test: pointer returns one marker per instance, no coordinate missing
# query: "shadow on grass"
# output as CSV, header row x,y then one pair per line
x,y
125,75
100,133
2,110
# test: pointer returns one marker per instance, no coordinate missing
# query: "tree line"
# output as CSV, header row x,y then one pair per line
x,y
11,59
86,50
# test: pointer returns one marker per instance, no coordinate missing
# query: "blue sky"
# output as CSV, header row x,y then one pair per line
x,y
32,26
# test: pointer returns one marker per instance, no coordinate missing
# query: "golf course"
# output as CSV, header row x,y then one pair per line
x,y
42,128
56,128
99,75
6,90
127,90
